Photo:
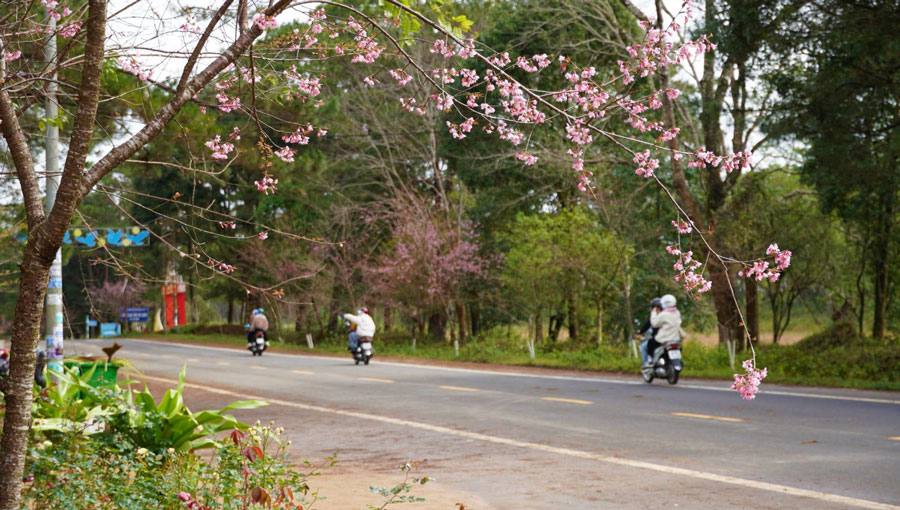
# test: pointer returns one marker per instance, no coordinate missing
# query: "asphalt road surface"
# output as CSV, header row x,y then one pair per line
x,y
546,440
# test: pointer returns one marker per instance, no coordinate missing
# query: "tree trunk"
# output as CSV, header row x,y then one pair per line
x,y
599,322
230,310
437,325
881,274
556,322
388,318
751,304
461,321
538,327
726,316
573,316
475,318
629,326
17,386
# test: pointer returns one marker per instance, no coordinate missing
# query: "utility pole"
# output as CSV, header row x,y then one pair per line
x,y
53,310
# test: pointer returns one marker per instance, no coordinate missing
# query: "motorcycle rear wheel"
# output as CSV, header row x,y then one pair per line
x,y
672,376
647,375
366,361
356,362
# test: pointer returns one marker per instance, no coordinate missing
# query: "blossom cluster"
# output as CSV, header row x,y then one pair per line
x,y
266,185
747,384
130,65
686,270
220,149
761,270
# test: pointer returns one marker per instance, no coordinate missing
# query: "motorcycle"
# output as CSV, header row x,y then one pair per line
x,y
364,350
666,363
4,363
258,343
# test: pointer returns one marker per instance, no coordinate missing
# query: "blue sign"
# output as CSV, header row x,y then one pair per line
x,y
110,329
135,314
131,236
92,323
54,283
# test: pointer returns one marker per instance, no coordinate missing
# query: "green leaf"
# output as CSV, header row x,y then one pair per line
x,y
464,23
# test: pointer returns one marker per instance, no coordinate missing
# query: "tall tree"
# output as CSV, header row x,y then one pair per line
x,y
840,85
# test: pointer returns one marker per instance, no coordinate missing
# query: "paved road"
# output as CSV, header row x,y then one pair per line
x,y
578,442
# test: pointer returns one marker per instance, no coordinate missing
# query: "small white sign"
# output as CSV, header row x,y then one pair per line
x,y
54,299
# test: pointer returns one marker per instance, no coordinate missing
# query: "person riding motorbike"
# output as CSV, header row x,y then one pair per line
x,y
364,330
667,323
650,342
258,322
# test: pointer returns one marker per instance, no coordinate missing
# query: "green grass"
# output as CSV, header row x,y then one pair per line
x,y
834,357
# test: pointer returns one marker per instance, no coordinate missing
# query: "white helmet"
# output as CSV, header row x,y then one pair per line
x,y
668,301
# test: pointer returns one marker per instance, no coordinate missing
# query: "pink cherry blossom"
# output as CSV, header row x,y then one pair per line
x,y
747,384
10,56
528,159
265,22
266,185
263,236
286,154
220,149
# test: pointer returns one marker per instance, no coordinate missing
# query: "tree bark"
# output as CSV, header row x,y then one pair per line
x,y
461,320
629,326
726,318
599,322
881,271
437,325
17,386
538,326
573,316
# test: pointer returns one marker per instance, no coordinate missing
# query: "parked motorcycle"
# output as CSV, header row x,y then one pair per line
x,y
4,363
666,363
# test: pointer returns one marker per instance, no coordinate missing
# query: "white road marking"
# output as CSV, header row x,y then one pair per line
x,y
608,380
375,379
733,480
303,372
193,360
709,417
457,388
223,363
568,400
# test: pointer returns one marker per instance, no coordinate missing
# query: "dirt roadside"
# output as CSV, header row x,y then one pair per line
x,y
346,485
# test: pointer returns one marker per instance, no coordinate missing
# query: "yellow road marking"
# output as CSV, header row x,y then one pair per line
x,y
709,417
568,400
302,372
223,363
457,388
257,367
895,438
375,379
569,452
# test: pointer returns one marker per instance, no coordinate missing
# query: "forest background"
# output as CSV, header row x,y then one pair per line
x,y
457,242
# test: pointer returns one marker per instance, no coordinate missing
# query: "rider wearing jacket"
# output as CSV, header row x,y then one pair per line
x,y
647,327
258,322
365,326
667,322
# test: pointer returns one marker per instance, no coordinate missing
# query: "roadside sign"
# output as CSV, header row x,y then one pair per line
x,y
92,323
135,314
108,329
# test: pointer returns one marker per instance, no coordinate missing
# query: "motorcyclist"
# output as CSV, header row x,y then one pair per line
x,y
655,306
667,323
365,327
258,322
